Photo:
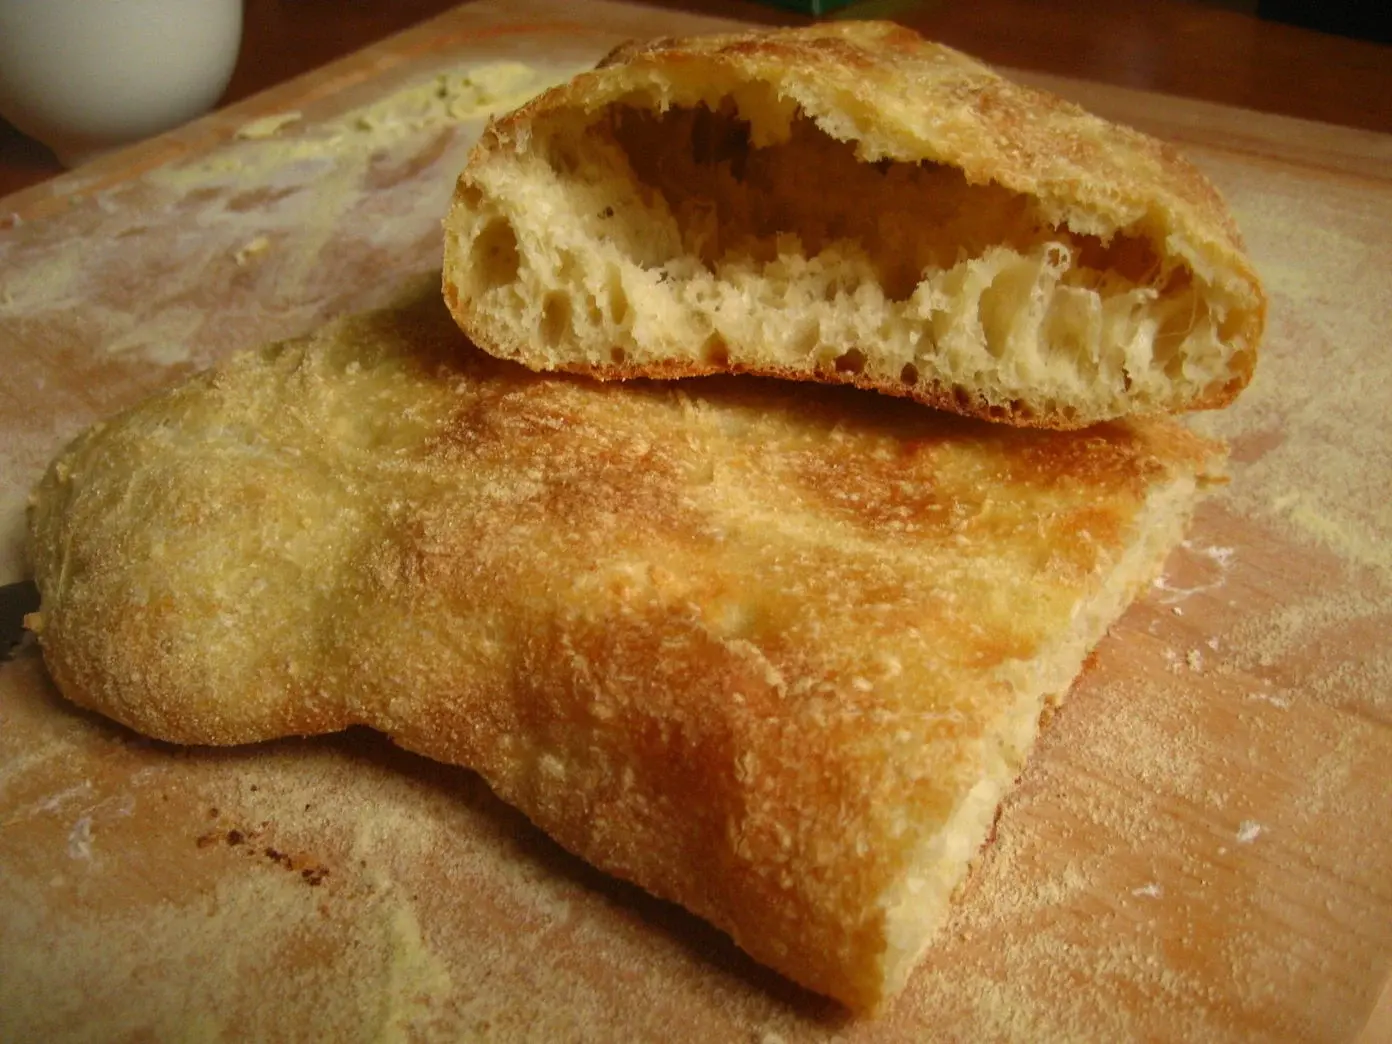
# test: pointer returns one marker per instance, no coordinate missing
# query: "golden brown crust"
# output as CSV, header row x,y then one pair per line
x,y
749,644
900,98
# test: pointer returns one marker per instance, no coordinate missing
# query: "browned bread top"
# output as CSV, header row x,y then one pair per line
x,y
770,650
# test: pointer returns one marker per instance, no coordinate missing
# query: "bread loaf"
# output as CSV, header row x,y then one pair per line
x,y
849,203
772,651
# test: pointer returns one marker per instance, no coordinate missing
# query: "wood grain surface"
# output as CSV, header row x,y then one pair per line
x,y
1198,850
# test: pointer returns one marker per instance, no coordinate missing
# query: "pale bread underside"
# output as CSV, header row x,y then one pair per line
x,y
770,650
849,203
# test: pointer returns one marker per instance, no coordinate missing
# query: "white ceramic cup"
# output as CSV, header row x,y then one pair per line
x,y
87,76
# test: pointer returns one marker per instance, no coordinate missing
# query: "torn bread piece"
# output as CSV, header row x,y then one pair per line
x,y
850,203
771,650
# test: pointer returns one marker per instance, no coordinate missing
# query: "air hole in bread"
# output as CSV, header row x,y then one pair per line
x,y
470,195
720,138
732,199
618,301
617,356
494,260
909,374
1178,323
555,318
995,310
563,157
715,352
852,361
1130,258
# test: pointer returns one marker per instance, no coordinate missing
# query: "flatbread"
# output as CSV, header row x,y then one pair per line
x,y
850,203
771,650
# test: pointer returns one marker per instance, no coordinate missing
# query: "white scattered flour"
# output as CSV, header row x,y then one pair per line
x,y
1248,831
83,832
80,839
250,249
54,802
1317,449
1275,699
1170,593
285,194
1339,530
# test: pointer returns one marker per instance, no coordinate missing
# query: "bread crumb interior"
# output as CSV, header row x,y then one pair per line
x,y
733,231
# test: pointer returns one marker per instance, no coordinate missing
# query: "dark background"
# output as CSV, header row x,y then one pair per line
x,y
1256,54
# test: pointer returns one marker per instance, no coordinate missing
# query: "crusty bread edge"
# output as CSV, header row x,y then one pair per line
x,y
1042,683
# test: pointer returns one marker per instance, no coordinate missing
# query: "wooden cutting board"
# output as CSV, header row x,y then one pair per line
x,y
1199,850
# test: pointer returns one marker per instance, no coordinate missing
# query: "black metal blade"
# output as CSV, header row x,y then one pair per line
x,y
15,601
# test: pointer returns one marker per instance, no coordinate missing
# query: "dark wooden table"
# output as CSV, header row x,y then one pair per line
x,y
1189,49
